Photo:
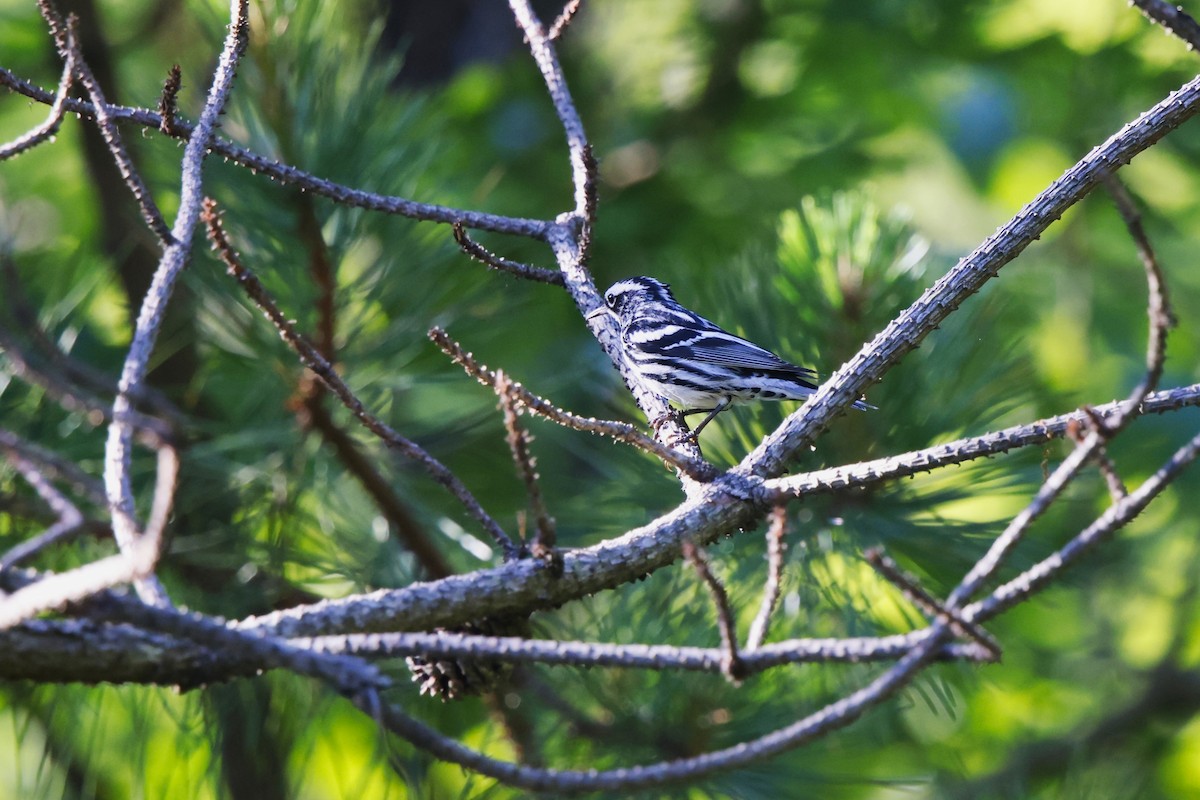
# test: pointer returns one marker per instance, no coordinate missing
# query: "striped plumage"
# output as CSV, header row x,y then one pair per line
x,y
692,362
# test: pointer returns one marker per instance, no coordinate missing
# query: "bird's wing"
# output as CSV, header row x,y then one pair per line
x,y
706,342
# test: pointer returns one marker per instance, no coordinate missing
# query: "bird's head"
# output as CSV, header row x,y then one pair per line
x,y
624,297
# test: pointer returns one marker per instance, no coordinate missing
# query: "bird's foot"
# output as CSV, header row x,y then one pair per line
x,y
672,415
676,416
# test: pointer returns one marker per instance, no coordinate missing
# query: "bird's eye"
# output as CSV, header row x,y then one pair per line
x,y
611,301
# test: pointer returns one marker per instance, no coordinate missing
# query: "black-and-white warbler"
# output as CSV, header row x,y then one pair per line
x,y
690,361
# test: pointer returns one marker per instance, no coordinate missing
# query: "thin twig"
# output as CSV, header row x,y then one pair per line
x,y
559,27
1114,517
58,590
518,444
1015,531
165,484
67,42
50,127
314,361
133,564
56,466
731,662
776,549
1158,312
500,264
291,176
542,50
867,473
1173,18
118,451
1104,462
401,520
918,596
68,520
168,101
623,779
1158,308
912,325
620,431
150,431
591,195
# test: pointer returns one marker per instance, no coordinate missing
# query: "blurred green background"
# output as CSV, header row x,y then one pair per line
x,y
799,171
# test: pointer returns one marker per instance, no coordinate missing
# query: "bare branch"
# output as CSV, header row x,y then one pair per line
x,y
1158,305
167,103
518,443
512,649
68,518
1116,516
288,175
312,359
165,484
1108,469
564,19
493,261
776,549
53,121
832,717
1159,314
1057,481
175,257
349,676
912,325
866,473
55,466
916,594
67,42
620,431
591,195
134,563
56,591
543,53
1173,18
1007,541
731,662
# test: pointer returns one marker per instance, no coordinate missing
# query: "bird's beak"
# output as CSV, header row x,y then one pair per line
x,y
597,312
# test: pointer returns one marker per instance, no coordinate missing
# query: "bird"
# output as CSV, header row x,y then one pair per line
x,y
693,362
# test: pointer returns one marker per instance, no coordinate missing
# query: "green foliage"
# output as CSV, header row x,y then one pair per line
x,y
800,172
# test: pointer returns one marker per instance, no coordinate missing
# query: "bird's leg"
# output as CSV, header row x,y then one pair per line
x,y
720,406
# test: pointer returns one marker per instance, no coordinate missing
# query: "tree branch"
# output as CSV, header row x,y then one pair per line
x,y
920,319
291,176
47,129
1173,18
311,358
776,549
620,431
